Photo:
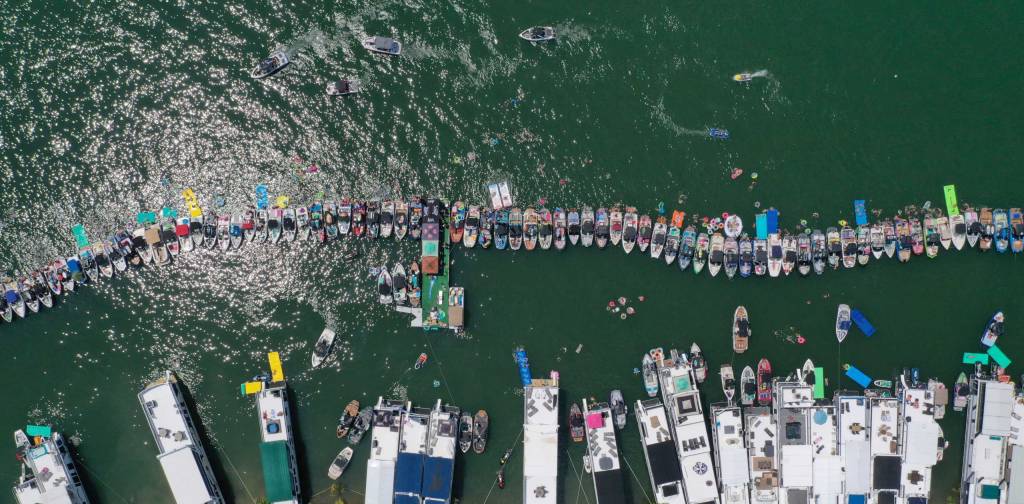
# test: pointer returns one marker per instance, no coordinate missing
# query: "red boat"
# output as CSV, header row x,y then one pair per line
x,y
764,382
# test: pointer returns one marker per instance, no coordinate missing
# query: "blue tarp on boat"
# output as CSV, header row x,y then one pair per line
x,y
409,477
856,499
761,222
858,376
437,480
862,323
773,221
860,211
74,266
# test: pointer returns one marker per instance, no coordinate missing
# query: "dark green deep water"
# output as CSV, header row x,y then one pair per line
x,y
110,108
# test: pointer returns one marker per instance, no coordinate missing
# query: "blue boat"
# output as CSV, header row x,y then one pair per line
x,y
524,366
862,322
858,376
719,133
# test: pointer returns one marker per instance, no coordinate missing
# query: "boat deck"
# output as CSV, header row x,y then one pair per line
x,y
660,452
854,445
689,430
380,471
792,401
730,453
412,456
434,301
603,450
886,462
762,453
922,439
827,464
986,442
62,485
540,442
441,445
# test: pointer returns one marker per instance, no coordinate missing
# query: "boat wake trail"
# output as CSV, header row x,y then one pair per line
x,y
759,73
660,115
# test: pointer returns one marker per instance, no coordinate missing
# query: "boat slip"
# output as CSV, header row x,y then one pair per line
x,y
860,211
972,358
998,356
951,207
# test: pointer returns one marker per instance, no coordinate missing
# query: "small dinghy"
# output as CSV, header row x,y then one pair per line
x,y
643,239
789,250
183,228
587,227
760,257
224,232
400,284
764,382
615,228
993,330
959,229
842,322
501,230
740,330
746,257
235,231
728,382
384,286
574,226
775,255
289,228
629,229
687,248
515,229
271,65
302,223
538,34
481,425
531,228
342,87
732,256
274,225
716,254
387,219
340,462
619,410
698,363
748,386
322,348
546,230
602,229
658,238
804,257
650,372
383,45
465,432
700,254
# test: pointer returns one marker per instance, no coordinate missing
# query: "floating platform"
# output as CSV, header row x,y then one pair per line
x,y
975,358
862,322
858,376
860,212
997,355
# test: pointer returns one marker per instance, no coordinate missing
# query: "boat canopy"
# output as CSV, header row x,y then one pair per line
x,y
383,43
277,478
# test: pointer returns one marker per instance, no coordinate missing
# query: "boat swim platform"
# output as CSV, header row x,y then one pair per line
x,y
434,300
417,315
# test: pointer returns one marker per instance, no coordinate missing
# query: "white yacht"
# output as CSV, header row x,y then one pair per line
x,y
412,455
827,465
277,445
48,474
791,401
540,441
986,442
380,468
660,452
854,445
886,459
762,453
439,468
730,454
603,454
923,442
689,429
181,452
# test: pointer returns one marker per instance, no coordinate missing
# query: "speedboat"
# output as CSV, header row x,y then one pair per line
x,y
658,238
531,228
863,245
235,230
732,256
1016,231
342,87
340,218
274,229
169,237
322,348
746,257
13,298
472,228
487,218
316,222
804,257
748,386
339,463
700,254
224,232
974,227
959,229
602,229
842,322
481,423
650,372
848,237
916,236
904,243
688,247
716,254
415,218
261,231
587,226
195,231
99,253
140,246
764,382
698,363
387,219
271,65
789,248
945,233
401,219
373,221
357,227
41,289
400,283
384,286
993,330
88,262
249,225
891,238
672,241
561,230
465,432
718,133
646,230
877,240
6,312
383,45
728,382
629,232
538,34
819,251
615,226
183,228
302,222
961,392
501,229
547,228
574,226
55,275
931,240
618,407
577,428
988,230
740,330
75,273
25,289
360,426
760,256
515,229
457,222
774,254
835,247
